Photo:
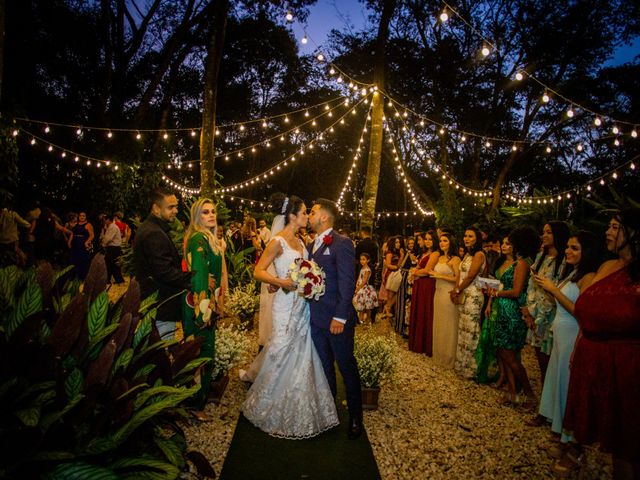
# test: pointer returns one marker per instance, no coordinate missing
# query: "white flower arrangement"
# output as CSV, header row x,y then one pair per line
x,y
230,350
244,301
377,357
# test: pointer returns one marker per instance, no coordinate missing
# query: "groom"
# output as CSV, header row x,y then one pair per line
x,y
333,317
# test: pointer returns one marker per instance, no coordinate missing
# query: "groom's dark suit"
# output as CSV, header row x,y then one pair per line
x,y
336,260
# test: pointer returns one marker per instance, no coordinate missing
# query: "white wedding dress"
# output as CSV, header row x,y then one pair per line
x,y
290,397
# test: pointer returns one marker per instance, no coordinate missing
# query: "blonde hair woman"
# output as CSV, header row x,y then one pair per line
x,y
204,257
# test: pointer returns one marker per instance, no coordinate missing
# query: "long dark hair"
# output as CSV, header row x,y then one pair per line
x,y
561,234
629,219
391,245
434,240
524,241
291,205
453,246
589,258
477,247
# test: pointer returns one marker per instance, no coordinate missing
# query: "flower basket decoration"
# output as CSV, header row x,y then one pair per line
x,y
244,303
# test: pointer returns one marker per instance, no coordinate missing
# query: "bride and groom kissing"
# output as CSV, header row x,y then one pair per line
x,y
294,389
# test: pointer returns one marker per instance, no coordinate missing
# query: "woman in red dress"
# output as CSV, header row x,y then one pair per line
x,y
603,403
424,287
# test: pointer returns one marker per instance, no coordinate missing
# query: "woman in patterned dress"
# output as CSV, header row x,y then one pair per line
x,y
204,257
469,298
511,330
541,307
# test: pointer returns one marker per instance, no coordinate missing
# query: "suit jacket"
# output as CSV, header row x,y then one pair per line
x,y
336,260
158,266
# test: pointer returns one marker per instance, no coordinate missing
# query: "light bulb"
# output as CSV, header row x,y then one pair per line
x,y
570,113
634,133
109,134
548,149
165,136
332,71
485,51
138,136
320,57
46,129
444,17
597,122
289,16
304,39
580,147
193,133
545,98
79,131
519,76
615,130
15,133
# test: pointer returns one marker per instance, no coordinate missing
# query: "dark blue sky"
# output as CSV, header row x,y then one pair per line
x,y
340,14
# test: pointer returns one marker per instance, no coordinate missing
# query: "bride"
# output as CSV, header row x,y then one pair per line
x,y
290,397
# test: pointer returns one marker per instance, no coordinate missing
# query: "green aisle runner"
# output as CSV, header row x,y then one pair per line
x,y
255,455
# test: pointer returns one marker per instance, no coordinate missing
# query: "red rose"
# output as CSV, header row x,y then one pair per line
x,y
309,275
307,289
327,240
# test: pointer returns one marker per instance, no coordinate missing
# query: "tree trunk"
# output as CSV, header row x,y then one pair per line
x,y
212,68
377,112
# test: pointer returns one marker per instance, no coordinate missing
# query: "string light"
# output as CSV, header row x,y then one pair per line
x,y
444,16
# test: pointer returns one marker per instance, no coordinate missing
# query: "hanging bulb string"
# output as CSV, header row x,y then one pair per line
x,y
534,78
482,193
180,129
356,157
277,166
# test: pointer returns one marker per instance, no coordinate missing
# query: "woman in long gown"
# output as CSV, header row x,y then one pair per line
x,y
604,391
489,364
290,397
204,257
445,312
511,330
581,256
469,298
424,288
81,243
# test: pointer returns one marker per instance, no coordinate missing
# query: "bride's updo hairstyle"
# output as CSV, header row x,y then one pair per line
x,y
276,201
291,206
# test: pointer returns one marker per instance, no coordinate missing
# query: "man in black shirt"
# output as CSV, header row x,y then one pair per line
x,y
157,263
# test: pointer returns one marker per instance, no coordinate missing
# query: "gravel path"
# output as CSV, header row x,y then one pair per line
x,y
430,424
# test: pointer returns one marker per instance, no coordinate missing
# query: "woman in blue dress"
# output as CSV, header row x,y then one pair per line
x,y
581,256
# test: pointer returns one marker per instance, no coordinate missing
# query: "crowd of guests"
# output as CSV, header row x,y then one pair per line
x,y
474,307
471,302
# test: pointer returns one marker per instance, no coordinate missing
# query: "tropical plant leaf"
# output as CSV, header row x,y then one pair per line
x,y
131,390
123,360
193,364
61,273
37,387
29,416
8,282
142,398
143,331
47,456
102,334
173,450
98,314
81,471
144,371
148,302
145,468
30,302
73,384
50,418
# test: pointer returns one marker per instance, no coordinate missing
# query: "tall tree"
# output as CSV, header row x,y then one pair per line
x,y
377,112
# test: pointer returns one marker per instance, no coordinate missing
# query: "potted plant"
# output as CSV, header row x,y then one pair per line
x,y
231,348
244,303
377,357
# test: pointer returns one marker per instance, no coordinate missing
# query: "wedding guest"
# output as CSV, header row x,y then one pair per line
x,y
204,258
393,257
422,294
234,236
486,357
72,221
81,245
9,248
125,230
44,229
604,392
540,309
445,313
111,241
511,330
581,257
220,235
250,240
264,233
365,298
491,247
403,295
370,247
469,298
157,263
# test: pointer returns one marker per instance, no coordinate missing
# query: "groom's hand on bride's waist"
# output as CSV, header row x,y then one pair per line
x,y
336,327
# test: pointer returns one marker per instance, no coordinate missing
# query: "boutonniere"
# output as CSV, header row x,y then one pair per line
x,y
327,240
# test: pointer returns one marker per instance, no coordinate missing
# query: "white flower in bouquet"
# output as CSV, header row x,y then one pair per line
x,y
231,347
308,277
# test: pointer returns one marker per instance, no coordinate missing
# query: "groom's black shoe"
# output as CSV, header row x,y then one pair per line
x,y
355,428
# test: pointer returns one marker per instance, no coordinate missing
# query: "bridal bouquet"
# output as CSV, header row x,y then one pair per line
x,y
308,277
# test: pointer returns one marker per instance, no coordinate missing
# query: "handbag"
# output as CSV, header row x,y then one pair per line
x,y
395,278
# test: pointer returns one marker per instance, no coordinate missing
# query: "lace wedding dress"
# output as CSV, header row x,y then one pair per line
x,y
290,397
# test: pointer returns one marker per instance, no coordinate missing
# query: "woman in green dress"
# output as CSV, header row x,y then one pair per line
x,y
511,330
204,257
